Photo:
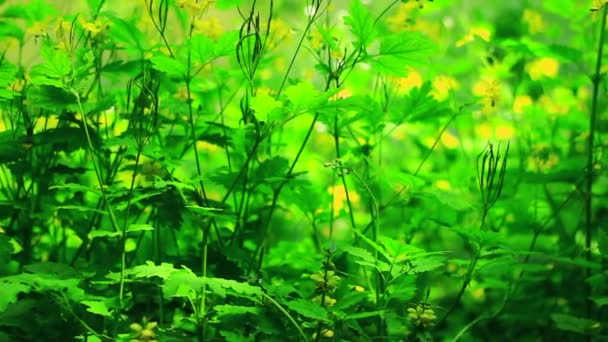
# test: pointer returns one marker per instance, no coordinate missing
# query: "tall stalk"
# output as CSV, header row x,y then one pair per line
x,y
596,80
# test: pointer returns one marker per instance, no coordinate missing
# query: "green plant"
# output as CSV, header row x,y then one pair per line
x,y
232,170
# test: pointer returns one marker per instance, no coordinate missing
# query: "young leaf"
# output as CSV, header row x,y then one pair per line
x,y
97,307
361,23
400,50
308,309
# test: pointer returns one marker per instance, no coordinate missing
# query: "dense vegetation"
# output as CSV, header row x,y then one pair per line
x,y
316,170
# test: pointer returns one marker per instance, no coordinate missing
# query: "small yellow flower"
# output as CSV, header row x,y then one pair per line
x,y
477,31
443,184
194,8
543,67
37,30
504,132
534,20
279,32
489,91
483,131
358,288
94,27
340,197
520,103
449,140
400,20
412,80
316,40
443,85
211,27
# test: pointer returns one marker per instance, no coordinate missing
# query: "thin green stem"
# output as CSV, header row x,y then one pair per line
x,y
103,193
597,77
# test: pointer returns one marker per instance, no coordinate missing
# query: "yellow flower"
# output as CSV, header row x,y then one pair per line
x,y
504,131
194,8
443,85
211,27
520,103
340,197
478,31
534,20
399,21
483,131
443,184
37,30
449,140
412,80
543,67
94,27
542,159
279,32
489,91
316,40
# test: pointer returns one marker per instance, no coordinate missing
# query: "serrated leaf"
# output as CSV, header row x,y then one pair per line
x,y
574,324
150,270
239,288
168,65
361,253
361,23
398,51
301,97
228,310
10,292
308,309
97,307
420,105
264,104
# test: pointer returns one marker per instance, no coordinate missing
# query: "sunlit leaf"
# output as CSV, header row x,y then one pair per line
x,y
97,307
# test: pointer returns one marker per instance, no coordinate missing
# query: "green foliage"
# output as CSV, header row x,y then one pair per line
x,y
280,171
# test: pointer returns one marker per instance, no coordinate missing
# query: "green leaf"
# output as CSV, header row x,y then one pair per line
x,y
361,23
103,233
57,65
10,28
225,4
229,310
575,324
6,249
126,33
182,283
139,227
397,51
7,77
150,270
308,309
374,245
237,288
600,300
360,253
368,314
264,104
33,11
168,65
10,291
301,97
97,307
420,105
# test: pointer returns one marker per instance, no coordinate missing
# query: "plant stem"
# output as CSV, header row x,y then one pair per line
x,y
590,157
